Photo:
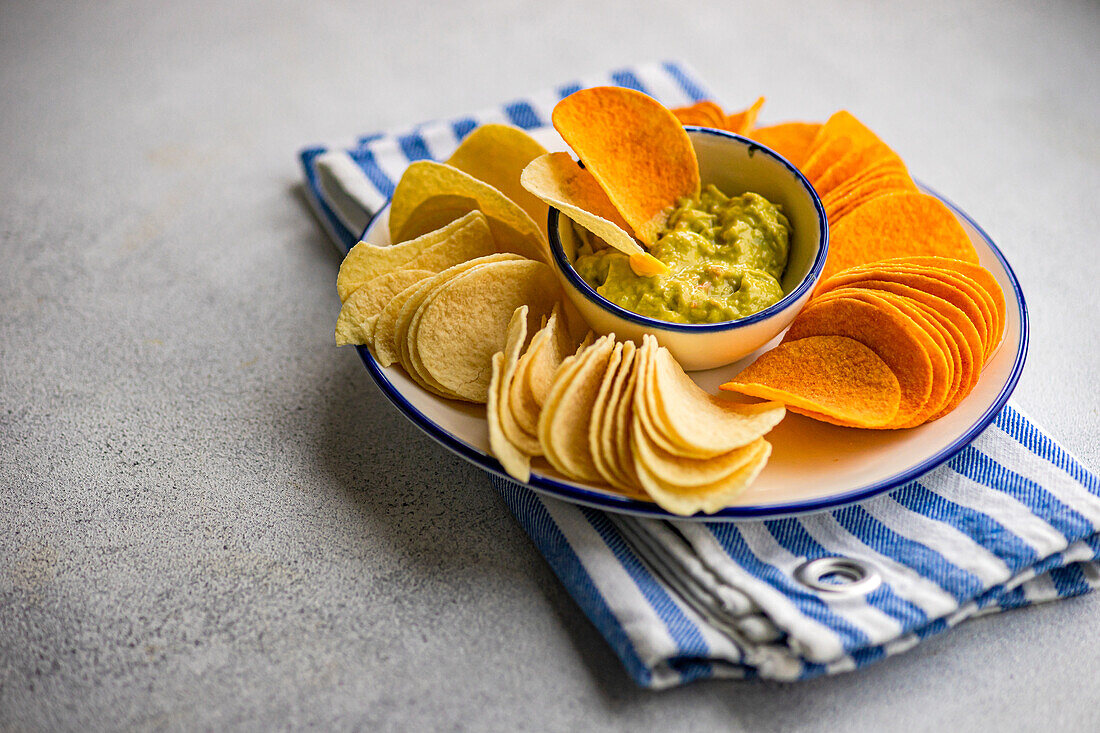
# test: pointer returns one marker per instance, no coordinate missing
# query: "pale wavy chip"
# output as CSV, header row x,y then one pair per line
x,y
645,407
565,374
385,328
608,439
708,498
701,422
636,149
355,324
497,155
466,323
527,442
621,422
565,418
408,324
601,459
684,472
544,365
521,401
514,461
365,261
382,343
470,242
513,229
432,213
558,180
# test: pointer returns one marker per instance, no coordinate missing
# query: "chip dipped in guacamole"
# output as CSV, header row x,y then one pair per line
x,y
725,257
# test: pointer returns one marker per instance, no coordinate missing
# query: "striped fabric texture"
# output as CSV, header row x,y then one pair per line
x,y
1010,521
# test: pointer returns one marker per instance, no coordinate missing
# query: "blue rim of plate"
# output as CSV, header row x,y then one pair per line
x,y
807,282
621,504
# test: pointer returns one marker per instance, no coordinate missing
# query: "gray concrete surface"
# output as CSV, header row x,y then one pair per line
x,y
210,517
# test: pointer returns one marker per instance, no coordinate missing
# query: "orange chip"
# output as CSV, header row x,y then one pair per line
x,y
944,383
837,208
636,149
889,171
939,284
853,164
704,113
897,225
824,155
743,121
831,376
789,139
844,124
983,277
895,338
958,289
968,342
965,375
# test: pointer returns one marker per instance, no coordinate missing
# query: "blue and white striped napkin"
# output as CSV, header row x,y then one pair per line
x,y
1010,521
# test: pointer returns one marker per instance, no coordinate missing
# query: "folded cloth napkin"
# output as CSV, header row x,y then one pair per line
x,y
1010,521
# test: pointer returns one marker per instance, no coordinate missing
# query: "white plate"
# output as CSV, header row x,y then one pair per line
x,y
814,466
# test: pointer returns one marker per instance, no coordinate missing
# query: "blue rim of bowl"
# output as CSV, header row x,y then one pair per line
x,y
621,504
807,282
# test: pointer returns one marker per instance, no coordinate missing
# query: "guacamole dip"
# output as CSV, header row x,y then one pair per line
x,y
725,256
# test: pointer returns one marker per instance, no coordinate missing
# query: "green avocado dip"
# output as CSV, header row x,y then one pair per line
x,y
725,256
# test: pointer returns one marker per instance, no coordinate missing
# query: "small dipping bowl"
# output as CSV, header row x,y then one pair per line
x,y
735,165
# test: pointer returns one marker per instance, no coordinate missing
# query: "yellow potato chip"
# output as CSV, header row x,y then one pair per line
x,y
565,418
701,422
364,261
466,323
545,365
559,181
513,345
625,480
512,227
708,498
679,471
621,421
565,373
432,213
355,324
645,411
635,148
497,154
383,342
514,461
600,458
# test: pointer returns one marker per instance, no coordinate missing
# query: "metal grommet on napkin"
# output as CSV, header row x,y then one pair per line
x,y
838,575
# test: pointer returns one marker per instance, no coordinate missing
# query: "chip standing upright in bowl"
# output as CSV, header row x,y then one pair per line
x,y
766,293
